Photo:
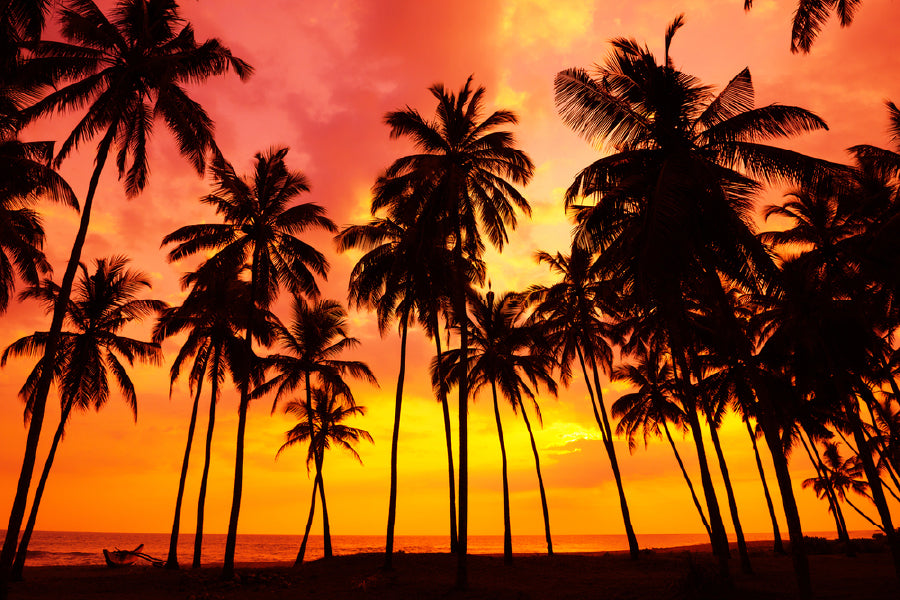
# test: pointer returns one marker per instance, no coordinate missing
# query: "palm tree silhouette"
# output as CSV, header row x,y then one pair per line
x,y
261,221
574,312
672,203
838,476
506,354
469,169
811,16
320,423
313,342
104,303
213,316
127,70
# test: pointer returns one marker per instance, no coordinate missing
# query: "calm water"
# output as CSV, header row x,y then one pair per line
x,y
85,548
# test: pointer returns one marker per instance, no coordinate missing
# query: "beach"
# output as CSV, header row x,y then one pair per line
x,y
686,572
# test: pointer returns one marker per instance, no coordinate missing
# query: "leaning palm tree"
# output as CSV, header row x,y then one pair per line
x,y
670,209
126,69
104,303
261,222
320,423
213,316
313,343
506,354
574,313
471,168
838,475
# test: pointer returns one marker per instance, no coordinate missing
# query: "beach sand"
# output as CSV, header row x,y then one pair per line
x,y
659,574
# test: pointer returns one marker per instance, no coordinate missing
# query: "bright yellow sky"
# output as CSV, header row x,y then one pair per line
x,y
327,71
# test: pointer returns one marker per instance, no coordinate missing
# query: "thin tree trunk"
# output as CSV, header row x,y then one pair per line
x,y
326,526
836,513
587,382
688,481
875,487
507,526
732,502
445,408
22,552
395,437
17,512
172,559
537,466
633,548
776,532
788,500
462,317
862,514
309,520
231,538
204,478
869,399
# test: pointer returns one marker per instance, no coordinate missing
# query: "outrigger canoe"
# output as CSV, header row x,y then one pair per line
x,y
125,558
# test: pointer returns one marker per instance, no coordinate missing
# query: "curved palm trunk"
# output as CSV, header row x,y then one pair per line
x,y
875,487
507,526
17,513
688,481
537,466
231,538
204,478
776,532
836,512
172,559
445,408
732,502
590,389
326,526
395,436
309,520
789,502
633,548
22,552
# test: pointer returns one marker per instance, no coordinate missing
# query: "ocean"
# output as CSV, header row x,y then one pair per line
x,y
85,548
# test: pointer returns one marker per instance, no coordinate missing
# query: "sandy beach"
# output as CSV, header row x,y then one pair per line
x,y
671,573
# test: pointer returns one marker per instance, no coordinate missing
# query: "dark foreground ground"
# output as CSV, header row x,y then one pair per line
x,y
662,574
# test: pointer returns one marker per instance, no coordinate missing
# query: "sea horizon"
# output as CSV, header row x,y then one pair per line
x,y
54,548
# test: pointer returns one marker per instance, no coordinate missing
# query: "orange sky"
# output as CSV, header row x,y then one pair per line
x,y
326,73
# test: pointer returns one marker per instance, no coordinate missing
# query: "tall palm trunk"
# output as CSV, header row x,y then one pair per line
x,y
836,512
231,538
789,502
309,520
21,553
633,548
462,317
204,478
732,502
688,481
776,532
875,487
172,559
507,526
537,466
395,437
445,408
17,513
590,389
326,526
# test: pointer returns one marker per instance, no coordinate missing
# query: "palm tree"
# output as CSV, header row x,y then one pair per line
x,y
811,16
320,423
104,303
838,476
313,343
575,316
127,70
672,204
471,169
259,230
212,315
508,355
651,405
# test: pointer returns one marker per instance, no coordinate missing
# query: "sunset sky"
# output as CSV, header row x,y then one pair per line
x,y
326,73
